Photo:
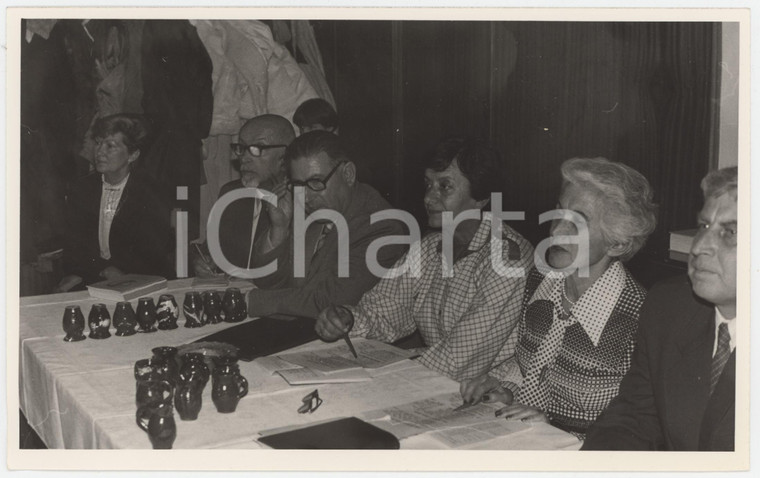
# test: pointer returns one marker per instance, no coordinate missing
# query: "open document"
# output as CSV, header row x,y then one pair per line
x,y
307,376
437,416
334,364
371,354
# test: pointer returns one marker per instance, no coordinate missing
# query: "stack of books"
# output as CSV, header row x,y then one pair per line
x,y
680,244
126,287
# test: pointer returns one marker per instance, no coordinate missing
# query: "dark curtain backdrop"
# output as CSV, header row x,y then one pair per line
x,y
542,92
640,93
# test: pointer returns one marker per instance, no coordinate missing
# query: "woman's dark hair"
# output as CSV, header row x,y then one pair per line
x,y
316,111
132,127
478,162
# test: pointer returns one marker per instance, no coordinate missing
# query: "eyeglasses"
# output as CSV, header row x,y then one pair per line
x,y
315,184
310,402
256,150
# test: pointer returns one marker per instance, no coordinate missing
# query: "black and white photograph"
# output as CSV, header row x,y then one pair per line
x,y
452,233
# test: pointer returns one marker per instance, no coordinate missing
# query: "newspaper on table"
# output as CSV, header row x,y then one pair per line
x,y
437,416
333,364
307,376
371,354
322,360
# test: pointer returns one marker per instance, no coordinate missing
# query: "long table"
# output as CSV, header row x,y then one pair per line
x,y
81,395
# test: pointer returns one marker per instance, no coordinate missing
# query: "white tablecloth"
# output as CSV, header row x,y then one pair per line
x,y
82,394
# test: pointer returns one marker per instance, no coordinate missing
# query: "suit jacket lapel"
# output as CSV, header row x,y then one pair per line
x,y
687,379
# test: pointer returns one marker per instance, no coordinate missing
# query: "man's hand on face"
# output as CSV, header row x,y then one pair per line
x,y
281,215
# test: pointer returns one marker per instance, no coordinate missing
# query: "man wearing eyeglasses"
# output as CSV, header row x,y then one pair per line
x,y
259,153
306,282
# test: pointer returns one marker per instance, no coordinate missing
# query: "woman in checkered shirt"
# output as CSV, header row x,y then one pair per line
x,y
580,311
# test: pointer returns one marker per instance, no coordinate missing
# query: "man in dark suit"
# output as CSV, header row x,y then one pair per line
x,y
259,151
680,391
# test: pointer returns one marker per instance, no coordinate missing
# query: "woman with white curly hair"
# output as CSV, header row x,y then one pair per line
x,y
580,314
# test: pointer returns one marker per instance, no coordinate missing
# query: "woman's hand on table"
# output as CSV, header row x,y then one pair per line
x,y
202,268
484,388
333,323
111,272
520,412
66,284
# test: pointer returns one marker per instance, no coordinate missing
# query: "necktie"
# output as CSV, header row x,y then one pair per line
x,y
721,355
254,226
326,228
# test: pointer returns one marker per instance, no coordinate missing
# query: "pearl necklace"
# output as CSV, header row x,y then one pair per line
x,y
564,294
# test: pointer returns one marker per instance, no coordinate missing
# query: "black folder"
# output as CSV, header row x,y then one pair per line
x,y
266,335
342,434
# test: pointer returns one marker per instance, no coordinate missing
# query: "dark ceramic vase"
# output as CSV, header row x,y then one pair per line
x,y
73,324
228,386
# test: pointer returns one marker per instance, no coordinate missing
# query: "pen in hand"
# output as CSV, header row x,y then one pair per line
x,y
350,346
341,310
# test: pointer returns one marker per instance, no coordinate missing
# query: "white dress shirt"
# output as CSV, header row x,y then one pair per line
x,y
109,204
719,319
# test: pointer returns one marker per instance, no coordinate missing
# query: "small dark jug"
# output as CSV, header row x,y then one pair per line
x,y
193,309
188,399
193,376
151,381
166,358
212,307
149,369
73,323
228,386
167,312
234,306
146,314
194,369
99,321
158,421
124,319
151,391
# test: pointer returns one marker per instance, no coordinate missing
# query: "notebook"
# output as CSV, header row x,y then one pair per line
x,y
341,434
266,335
126,287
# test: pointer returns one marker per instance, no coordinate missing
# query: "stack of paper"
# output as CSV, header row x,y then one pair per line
x,y
437,416
306,376
334,364
322,366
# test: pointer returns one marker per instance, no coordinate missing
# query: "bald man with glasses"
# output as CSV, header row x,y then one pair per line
x,y
305,283
258,155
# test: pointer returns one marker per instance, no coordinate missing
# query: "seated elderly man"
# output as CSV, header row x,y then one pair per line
x,y
464,317
310,261
259,153
679,394
578,325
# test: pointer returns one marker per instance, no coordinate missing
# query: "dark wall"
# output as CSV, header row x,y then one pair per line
x,y
541,92
359,74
